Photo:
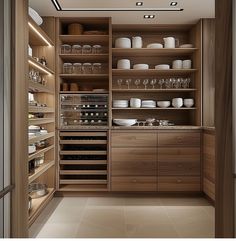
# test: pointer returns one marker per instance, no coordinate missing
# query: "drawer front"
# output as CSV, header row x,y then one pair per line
x,y
179,161
179,184
134,161
209,188
134,184
179,139
133,139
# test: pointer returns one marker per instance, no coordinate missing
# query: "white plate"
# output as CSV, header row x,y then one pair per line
x,y
155,46
186,46
141,66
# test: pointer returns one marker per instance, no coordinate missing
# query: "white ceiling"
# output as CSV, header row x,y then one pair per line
x,y
193,10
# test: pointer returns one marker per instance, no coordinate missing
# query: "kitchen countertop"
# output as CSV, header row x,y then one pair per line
x,y
156,128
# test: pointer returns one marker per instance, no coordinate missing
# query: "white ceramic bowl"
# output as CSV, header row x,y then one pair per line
x,y
163,104
141,66
177,102
123,64
162,66
177,64
123,43
186,46
155,46
125,122
188,103
135,103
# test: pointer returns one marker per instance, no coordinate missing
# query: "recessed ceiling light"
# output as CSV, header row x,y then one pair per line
x,y
173,4
139,4
149,16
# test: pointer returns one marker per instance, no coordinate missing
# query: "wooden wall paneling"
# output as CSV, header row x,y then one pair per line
x,y
19,205
223,121
110,74
208,62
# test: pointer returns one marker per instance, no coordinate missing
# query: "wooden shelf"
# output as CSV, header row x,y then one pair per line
x,y
34,35
41,121
83,162
148,52
95,39
85,57
39,88
40,137
37,109
154,90
87,142
83,172
84,92
156,108
83,152
38,205
83,181
83,76
81,188
151,72
38,66
40,152
40,170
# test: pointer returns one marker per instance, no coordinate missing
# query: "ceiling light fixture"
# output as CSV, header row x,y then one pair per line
x,y
56,4
173,4
39,34
139,4
149,16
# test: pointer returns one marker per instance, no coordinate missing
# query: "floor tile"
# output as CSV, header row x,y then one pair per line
x,y
142,201
106,201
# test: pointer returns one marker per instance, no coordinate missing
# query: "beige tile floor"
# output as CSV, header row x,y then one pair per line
x,y
129,217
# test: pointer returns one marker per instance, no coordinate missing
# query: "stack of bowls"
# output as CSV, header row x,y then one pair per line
x,y
123,43
120,103
148,104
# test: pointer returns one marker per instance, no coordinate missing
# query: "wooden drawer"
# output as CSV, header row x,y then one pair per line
x,y
134,161
179,161
133,139
209,188
179,139
179,184
134,184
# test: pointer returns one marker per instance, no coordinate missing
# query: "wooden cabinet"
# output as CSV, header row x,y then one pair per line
x,y
209,164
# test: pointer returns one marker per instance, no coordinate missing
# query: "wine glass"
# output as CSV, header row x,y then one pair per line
x,y
145,83
167,84
153,82
188,82
128,82
137,83
161,82
119,81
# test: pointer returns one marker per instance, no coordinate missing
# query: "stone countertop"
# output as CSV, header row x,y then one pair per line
x,y
156,128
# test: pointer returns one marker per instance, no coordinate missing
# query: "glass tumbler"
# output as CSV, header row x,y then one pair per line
x,y
87,49
97,49
87,68
77,68
97,68
76,49
67,68
65,49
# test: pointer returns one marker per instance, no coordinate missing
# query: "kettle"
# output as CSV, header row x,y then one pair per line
x,y
170,42
137,42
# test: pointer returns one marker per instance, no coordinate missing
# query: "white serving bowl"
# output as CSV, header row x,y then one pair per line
x,y
162,66
123,64
163,104
188,103
141,66
125,122
123,43
155,46
186,46
177,102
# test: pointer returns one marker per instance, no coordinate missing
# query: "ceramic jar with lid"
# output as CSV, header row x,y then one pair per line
x,y
67,68
65,49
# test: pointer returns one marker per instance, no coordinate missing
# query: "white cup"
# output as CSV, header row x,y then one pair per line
x,y
123,64
137,42
188,103
177,64
177,102
135,103
187,64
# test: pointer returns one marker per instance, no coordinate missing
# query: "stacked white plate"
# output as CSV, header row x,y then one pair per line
x,y
125,122
148,104
162,66
141,66
120,103
155,46
35,16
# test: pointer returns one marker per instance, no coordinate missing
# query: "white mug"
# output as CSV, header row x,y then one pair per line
x,y
177,64
137,42
135,103
177,102
187,64
123,64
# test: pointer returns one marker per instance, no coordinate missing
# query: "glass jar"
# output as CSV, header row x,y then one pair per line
x,y
67,68
65,49
76,49
77,68
97,68
97,49
87,49
87,68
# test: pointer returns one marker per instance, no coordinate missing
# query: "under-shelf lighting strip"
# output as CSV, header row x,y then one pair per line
x,y
39,34
39,67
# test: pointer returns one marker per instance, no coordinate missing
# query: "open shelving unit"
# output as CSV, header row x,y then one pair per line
x,y
41,40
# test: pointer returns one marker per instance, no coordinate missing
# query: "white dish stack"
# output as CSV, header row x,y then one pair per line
x,y
120,103
148,104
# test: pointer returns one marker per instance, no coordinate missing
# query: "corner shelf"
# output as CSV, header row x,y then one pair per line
x,y
40,152
40,67
39,88
40,137
154,90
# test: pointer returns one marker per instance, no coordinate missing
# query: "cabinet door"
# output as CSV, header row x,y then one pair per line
x,y
134,161
179,161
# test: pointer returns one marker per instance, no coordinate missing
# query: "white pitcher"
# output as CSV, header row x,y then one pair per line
x,y
137,42
171,42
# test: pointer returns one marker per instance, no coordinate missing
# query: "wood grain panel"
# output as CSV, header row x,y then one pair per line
x,y
179,161
209,188
133,161
179,139
134,184
179,184
136,139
